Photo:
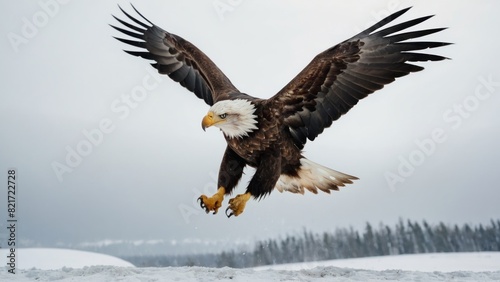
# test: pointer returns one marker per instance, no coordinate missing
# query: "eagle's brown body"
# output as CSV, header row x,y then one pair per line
x,y
269,134
270,149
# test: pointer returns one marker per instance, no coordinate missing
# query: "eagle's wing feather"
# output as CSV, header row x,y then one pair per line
x,y
336,79
176,57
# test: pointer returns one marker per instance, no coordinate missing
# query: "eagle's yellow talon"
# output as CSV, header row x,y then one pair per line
x,y
237,204
213,203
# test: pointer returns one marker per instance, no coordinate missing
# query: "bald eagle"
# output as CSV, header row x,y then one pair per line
x,y
269,134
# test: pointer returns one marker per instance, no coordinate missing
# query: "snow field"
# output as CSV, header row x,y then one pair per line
x,y
70,265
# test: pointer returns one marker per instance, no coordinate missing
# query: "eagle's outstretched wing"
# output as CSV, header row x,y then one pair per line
x,y
176,57
336,79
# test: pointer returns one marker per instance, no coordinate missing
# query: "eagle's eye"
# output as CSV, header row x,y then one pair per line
x,y
223,116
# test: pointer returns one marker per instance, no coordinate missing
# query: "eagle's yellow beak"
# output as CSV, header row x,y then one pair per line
x,y
208,120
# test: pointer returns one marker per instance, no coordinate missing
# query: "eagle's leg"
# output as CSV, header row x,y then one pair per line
x,y
261,184
237,204
213,203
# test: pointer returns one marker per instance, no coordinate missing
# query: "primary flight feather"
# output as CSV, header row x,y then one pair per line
x,y
269,134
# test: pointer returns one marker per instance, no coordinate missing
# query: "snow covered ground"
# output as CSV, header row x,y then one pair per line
x,y
67,265
46,259
444,262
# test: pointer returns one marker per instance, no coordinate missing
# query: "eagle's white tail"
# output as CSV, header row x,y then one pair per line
x,y
313,176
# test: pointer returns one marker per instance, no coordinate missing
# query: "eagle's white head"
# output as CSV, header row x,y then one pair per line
x,y
235,118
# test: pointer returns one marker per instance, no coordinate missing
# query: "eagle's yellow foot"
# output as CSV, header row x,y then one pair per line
x,y
237,204
213,203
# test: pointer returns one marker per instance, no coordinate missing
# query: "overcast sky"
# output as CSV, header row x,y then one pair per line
x,y
107,149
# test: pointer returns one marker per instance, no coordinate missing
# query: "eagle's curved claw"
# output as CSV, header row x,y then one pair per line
x,y
213,203
231,214
208,205
202,204
237,204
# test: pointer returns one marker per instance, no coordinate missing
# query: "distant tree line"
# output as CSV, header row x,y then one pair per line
x,y
406,237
